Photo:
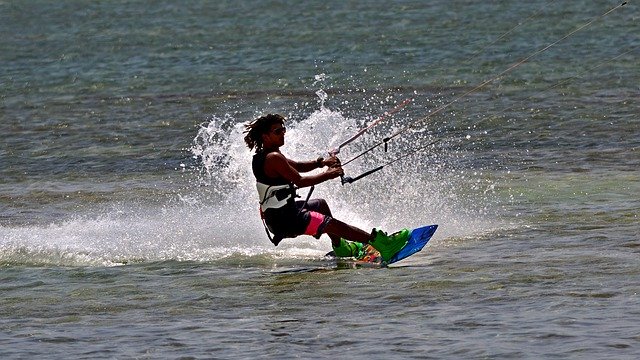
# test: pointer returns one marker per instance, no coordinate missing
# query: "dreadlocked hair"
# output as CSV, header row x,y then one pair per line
x,y
259,126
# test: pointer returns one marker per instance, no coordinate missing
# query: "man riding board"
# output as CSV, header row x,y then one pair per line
x,y
277,178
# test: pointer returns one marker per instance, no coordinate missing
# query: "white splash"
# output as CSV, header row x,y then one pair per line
x,y
217,216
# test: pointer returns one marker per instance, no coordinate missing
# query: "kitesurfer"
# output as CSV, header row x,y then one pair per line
x,y
277,178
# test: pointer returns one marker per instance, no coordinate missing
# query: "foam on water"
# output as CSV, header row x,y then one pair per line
x,y
217,215
423,189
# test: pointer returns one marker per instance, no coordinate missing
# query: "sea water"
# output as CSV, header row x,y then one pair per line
x,y
129,224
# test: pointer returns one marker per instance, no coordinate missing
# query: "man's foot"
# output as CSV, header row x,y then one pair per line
x,y
389,245
349,249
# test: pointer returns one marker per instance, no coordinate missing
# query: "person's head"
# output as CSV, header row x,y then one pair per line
x,y
263,129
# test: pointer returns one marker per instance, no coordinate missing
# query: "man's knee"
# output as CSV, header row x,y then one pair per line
x,y
324,207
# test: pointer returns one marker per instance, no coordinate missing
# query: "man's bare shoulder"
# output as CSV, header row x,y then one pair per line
x,y
275,155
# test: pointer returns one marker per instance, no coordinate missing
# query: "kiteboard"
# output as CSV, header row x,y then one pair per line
x,y
417,240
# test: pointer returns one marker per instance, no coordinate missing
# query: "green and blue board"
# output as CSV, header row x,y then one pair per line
x,y
417,240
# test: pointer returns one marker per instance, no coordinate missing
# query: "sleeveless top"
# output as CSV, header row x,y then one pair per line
x,y
273,193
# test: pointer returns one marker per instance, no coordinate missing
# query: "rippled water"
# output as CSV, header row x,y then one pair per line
x,y
128,221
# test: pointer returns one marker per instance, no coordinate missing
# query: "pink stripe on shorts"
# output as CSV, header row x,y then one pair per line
x,y
316,224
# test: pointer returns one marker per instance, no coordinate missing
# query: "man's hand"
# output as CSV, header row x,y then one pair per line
x,y
334,172
331,161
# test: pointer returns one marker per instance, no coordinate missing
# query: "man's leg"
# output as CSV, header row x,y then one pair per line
x,y
321,206
387,245
339,229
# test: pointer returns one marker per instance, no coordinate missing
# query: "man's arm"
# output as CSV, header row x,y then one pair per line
x,y
276,165
306,166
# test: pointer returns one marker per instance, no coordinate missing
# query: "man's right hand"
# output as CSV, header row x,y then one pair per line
x,y
334,172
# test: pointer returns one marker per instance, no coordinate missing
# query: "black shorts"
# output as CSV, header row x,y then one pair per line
x,y
293,221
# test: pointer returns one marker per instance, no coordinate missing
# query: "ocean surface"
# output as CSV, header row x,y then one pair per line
x,y
129,225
